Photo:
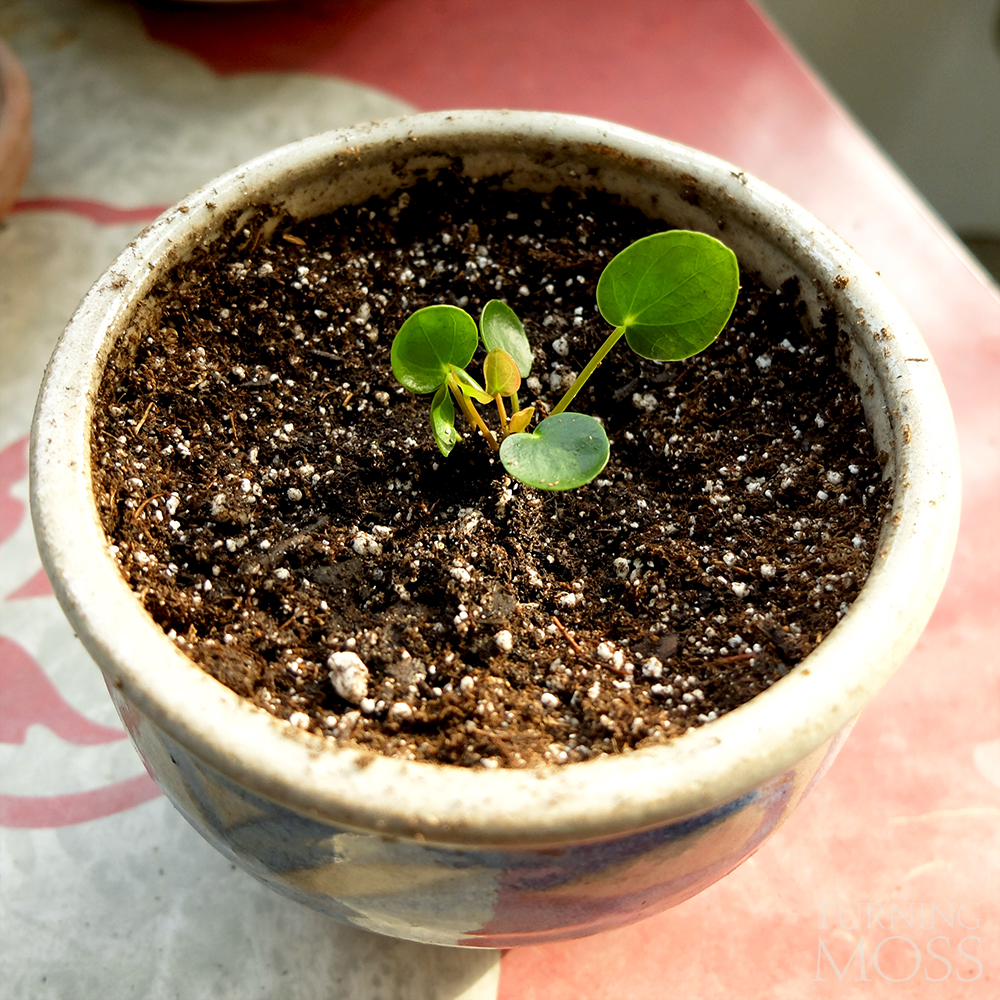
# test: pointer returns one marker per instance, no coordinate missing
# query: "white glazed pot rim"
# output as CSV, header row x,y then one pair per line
x,y
706,767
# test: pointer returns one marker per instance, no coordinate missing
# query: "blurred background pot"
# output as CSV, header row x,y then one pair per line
x,y
448,855
15,127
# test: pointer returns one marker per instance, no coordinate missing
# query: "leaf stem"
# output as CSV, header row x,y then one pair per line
x,y
581,379
502,410
471,413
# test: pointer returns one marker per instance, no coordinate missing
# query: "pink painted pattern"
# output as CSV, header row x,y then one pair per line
x,y
98,212
29,698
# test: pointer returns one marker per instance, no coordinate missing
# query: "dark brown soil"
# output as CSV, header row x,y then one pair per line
x,y
274,496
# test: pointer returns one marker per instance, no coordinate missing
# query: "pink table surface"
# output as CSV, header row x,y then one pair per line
x,y
886,880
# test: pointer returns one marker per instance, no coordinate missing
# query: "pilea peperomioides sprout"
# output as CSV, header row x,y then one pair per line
x,y
670,295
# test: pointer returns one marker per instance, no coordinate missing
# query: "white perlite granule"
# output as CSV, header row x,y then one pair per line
x,y
349,676
365,544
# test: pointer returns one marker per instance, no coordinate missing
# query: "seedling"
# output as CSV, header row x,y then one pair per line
x,y
670,295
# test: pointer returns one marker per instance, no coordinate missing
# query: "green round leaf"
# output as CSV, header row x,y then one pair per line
x,y
673,293
561,453
500,373
502,329
432,341
443,421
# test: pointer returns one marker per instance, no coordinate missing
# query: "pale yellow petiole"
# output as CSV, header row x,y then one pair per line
x,y
471,413
502,410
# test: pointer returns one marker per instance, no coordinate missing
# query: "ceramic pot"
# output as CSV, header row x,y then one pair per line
x,y
450,855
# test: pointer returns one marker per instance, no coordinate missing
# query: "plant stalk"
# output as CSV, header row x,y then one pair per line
x,y
471,413
581,379
502,410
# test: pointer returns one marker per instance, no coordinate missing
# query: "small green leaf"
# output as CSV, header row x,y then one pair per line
x,y
561,453
430,343
443,421
673,293
502,329
520,420
470,387
500,373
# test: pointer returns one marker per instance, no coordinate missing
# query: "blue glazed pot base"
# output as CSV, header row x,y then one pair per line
x,y
447,894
